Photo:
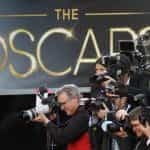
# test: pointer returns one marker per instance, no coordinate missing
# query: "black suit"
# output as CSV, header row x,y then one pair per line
x,y
75,127
141,145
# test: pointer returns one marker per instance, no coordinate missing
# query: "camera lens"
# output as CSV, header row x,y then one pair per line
x,y
29,114
113,127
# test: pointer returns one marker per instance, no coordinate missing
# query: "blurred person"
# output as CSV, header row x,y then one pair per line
x,y
141,129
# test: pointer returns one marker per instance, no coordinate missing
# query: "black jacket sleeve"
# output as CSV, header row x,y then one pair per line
x,y
75,127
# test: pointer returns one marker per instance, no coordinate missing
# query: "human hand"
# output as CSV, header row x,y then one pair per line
x,y
121,114
102,113
121,133
41,118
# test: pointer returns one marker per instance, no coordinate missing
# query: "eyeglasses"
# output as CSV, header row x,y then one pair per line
x,y
62,104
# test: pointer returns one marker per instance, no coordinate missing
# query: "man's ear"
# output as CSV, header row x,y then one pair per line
x,y
75,99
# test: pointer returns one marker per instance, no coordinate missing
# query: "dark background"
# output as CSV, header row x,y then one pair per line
x,y
16,133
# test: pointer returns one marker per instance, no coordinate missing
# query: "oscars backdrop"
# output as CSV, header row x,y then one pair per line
x,y
57,42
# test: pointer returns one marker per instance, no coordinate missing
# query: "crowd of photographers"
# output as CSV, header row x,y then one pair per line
x,y
115,116
117,98
121,87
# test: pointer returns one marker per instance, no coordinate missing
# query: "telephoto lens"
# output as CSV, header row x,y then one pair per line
x,y
29,115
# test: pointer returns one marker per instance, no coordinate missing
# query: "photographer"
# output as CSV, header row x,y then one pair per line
x,y
100,69
115,124
140,121
99,81
75,133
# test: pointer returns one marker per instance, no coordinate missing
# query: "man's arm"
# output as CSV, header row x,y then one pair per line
x,y
75,127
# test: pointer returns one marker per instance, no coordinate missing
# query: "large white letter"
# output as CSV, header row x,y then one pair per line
x,y
87,60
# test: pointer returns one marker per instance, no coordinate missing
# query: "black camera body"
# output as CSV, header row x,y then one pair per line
x,y
145,115
98,79
94,104
116,125
137,100
44,104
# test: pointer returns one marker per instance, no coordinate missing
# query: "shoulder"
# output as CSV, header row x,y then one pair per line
x,y
81,115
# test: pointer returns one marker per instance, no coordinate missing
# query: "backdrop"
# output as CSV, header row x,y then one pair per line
x,y
57,42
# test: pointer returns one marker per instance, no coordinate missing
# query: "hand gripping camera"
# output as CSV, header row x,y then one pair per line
x,y
44,104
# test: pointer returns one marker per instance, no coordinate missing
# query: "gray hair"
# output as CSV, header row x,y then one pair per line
x,y
71,90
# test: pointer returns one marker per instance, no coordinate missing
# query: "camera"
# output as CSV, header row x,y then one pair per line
x,y
44,104
134,53
99,103
145,115
137,52
98,79
93,105
117,65
111,87
137,100
115,125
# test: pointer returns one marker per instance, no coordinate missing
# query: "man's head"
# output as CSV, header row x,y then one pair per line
x,y
135,122
145,121
68,97
145,115
122,69
100,67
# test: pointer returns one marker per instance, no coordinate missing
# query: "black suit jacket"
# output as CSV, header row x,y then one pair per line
x,y
141,145
76,126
